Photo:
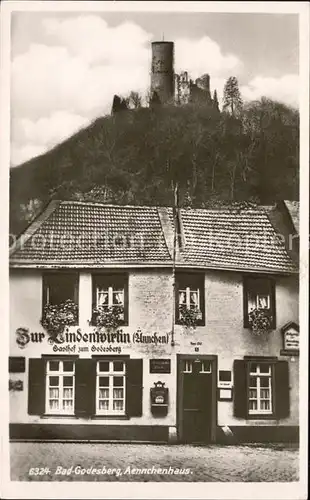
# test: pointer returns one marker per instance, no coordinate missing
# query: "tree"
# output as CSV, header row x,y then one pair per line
x,y
134,100
135,157
273,150
215,101
232,97
30,210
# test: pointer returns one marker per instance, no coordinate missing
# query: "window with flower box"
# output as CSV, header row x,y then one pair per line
x,y
259,294
110,292
60,299
190,297
59,287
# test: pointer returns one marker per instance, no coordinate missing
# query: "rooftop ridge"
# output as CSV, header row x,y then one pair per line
x,y
116,205
107,205
76,232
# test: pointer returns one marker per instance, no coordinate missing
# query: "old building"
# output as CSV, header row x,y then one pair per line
x,y
188,91
156,328
170,87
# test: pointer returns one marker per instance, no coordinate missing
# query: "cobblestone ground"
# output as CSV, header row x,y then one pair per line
x,y
214,463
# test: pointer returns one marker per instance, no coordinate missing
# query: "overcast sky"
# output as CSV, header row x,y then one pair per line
x,y
67,67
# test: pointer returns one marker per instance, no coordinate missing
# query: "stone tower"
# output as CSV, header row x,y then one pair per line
x,y
162,72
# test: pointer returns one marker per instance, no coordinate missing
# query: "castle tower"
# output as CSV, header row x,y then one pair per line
x,y
162,72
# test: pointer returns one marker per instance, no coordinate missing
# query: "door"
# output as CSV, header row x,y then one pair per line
x,y
196,400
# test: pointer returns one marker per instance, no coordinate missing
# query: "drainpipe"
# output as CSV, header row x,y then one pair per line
x,y
173,261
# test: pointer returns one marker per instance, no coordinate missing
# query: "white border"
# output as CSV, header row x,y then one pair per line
x,y
294,491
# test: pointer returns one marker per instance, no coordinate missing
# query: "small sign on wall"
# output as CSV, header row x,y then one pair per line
x,y
224,394
225,379
290,333
160,365
16,364
224,390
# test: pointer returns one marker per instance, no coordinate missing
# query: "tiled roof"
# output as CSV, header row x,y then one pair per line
x,y
94,234
293,210
237,239
81,234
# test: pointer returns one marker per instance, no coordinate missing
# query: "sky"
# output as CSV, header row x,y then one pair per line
x,y
66,67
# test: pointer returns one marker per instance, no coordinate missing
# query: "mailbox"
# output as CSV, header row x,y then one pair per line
x,y
159,399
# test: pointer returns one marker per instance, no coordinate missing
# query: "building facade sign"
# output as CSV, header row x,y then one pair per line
x,y
72,339
290,333
160,365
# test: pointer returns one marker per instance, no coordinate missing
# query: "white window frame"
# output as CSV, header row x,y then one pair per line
x,y
204,363
60,373
110,290
260,296
259,375
187,291
110,374
254,297
188,366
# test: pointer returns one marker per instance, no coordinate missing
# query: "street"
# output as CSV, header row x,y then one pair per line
x,y
142,462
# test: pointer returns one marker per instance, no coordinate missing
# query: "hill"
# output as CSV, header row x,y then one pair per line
x,y
137,156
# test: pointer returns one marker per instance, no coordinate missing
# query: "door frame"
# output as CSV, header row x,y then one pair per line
x,y
202,357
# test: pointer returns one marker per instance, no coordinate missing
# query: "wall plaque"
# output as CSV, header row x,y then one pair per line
x,y
16,364
160,365
290,333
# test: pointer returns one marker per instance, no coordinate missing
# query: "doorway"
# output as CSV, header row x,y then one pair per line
x,y
197,398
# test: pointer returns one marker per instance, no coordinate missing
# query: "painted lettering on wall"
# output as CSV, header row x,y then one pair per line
x,y
155,338
69,340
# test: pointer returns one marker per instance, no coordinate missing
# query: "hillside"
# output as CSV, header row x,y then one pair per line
x,y
137,156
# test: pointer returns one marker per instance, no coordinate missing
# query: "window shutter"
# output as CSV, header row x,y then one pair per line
x,y
240,388
134,387
282,388
36,386
85,387
273,303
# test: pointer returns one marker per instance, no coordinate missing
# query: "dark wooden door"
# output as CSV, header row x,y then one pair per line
x,y
197,402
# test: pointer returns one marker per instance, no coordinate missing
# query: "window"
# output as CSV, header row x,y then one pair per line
x,y
111,386
261,388
260,393
85,387
205,367
196,366
187,366
59,287
190,295
259,293
111,291
59,387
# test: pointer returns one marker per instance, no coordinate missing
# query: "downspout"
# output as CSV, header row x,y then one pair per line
x,y
175,213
